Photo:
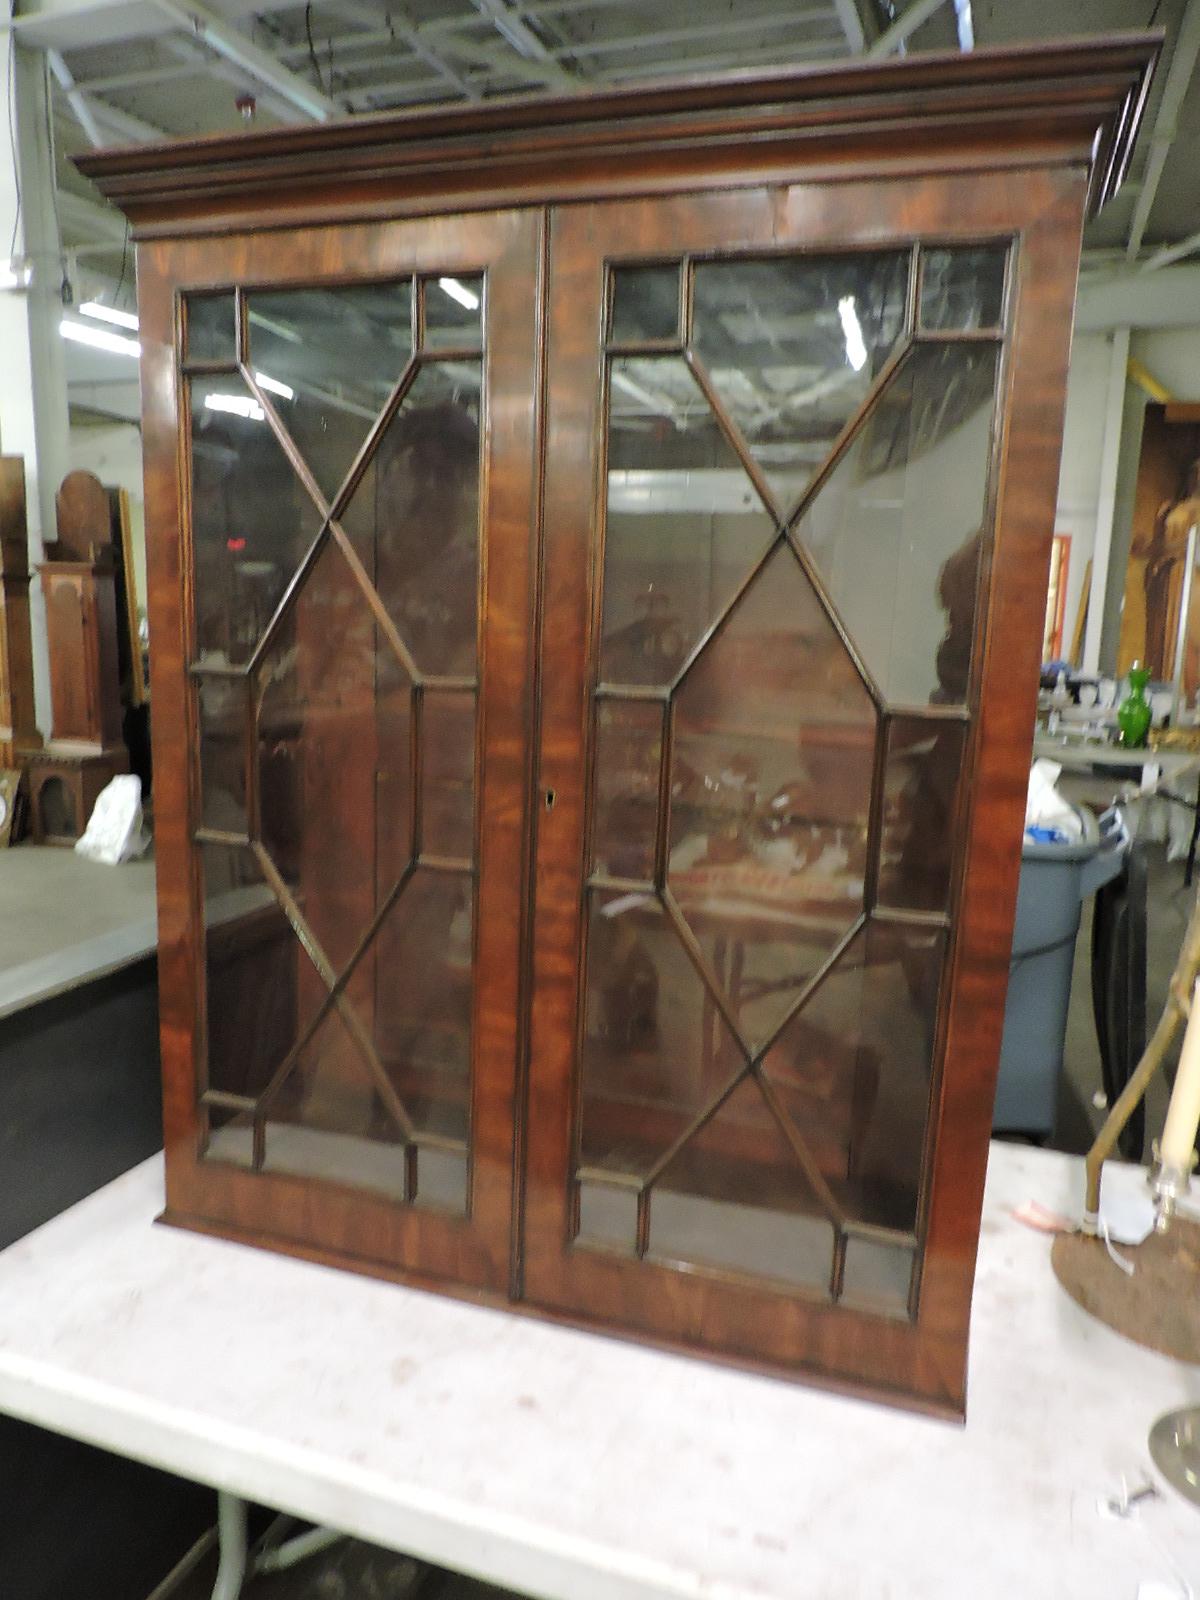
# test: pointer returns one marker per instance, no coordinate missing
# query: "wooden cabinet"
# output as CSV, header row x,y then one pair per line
x,y
598,556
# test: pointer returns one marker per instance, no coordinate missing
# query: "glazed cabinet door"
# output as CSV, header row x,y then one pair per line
x,y
339,427
800,471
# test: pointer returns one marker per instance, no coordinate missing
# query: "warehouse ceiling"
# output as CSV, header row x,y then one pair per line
x,y
127,70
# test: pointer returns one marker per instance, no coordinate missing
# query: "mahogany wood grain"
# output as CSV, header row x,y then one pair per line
x,y
1009,146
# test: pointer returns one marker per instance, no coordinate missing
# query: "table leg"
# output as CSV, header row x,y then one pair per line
x,y
231,1532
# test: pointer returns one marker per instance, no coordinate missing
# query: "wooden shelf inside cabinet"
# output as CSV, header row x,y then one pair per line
x,y
454,1034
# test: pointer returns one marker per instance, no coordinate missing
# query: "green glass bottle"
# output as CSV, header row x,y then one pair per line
x,y
1133,714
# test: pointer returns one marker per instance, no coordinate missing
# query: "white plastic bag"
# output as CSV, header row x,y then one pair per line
x,y
1046,808
114,831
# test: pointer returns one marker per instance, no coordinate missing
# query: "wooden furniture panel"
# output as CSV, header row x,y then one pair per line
x,y
322,821
750,734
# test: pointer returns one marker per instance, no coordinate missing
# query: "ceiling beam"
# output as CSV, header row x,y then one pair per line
x,y
216,32
401,27
76,99
124,125
905,24
100,224
1172,252
858,24
204,65
1162,135
517,32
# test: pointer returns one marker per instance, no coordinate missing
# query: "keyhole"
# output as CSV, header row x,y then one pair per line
x,y
549,799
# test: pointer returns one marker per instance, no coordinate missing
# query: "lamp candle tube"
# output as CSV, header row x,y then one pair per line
x,y
1183,1113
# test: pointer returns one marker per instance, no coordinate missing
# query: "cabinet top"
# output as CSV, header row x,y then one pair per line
x,y
1074,101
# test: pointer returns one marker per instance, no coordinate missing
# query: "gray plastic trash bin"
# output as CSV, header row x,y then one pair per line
x,y
1055,881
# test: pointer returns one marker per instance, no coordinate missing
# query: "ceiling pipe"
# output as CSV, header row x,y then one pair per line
x,y
75,98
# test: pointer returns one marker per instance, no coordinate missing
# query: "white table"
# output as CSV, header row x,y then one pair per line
x,y
569,1465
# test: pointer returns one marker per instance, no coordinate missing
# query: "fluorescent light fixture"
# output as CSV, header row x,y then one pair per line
x,y
856,350
115,343
273,386
966,26
460,292
16,273
238,405
119,319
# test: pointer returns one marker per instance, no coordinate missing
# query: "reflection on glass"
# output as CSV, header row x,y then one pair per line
x,y
211,328
332,700
328,359
251,970
683,524
329,1105
251,520
453,312
894,531
628,743
773,756
448,735
920,800
645,304
877,1275
221,715
655,1048
608,1216
853,1070
735,1197
332,754
963,288
424,961
793,345
415,515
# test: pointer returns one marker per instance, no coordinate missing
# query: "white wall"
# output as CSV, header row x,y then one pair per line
x,y
113,451
1079,475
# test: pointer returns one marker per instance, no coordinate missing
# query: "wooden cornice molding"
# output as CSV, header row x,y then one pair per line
x,y
1077,99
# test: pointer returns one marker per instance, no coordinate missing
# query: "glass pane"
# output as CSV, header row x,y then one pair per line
x,y
328,1119
773,756
853,1070
877,1275
414,518
252,967
252,521
222,707
333,717
645,303
628,742
608,1216
448,735
442,1180
896,529
211,328
920,802
453,315
735,1197
655,1048
963,288
329,358
683,524
793,345
424,956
